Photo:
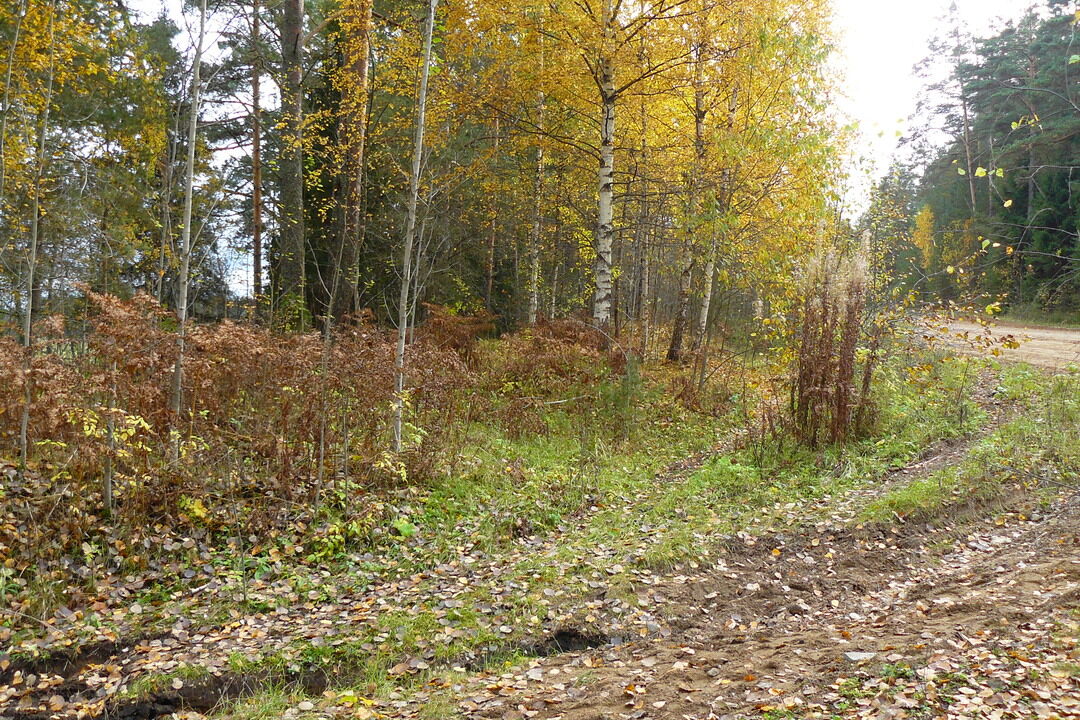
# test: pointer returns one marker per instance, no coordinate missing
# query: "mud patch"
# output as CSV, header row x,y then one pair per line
x,y
567,640
202,696
67,663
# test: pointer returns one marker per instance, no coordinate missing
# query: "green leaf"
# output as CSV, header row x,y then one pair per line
x,y
961,171
405,528
1074,59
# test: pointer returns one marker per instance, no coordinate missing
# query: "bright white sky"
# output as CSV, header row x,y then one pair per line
x,y
880,43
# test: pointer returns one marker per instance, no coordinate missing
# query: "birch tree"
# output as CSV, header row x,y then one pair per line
x,y
185,230
602,37
404,298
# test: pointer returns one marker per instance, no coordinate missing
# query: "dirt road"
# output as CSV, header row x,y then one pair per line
x,y
1047,347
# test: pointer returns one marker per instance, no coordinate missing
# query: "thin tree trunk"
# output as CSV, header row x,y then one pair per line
x,y
605,229
554,289
707,280
644,303
967,149
642,237
256,162
110,430
682,315
557,245
537,226
166,214
1029,222
32,255
410,231
354,101
185,231
726,191
682,307
293,250
489,284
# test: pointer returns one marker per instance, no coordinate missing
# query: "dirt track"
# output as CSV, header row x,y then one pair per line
x,y
1047,347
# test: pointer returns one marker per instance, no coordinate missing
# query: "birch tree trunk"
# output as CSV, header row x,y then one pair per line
x,y
605,228
489,283
641,233
537,225
166,206
708,277
185,231
404,299
726,180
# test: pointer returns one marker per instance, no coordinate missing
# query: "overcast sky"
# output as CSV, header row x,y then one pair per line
x,y
880,42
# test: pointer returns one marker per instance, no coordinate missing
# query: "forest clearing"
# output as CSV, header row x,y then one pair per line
x,y
566,360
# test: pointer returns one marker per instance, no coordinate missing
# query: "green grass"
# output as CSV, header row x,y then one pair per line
x,y
1034,315
153,684
270,703
1070,669
1038,450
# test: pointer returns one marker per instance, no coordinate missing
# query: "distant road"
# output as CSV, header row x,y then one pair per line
x,y
1047,347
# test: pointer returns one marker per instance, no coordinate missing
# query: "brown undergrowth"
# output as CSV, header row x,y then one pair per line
x,y
278,431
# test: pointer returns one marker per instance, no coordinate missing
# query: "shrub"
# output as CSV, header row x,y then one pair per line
x,y
829,321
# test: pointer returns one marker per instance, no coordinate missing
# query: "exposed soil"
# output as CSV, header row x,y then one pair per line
x,y
1047,347
765,631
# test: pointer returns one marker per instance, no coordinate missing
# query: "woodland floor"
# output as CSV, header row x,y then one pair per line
x,y
820,608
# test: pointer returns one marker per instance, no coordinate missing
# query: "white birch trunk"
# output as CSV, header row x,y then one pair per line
x,y
185,231
706,296
410,232
537,226
725,202
726,180
605,229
